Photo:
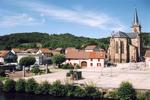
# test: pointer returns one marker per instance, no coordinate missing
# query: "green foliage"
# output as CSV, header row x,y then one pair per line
x,y
141,96
35,70
92,91
57,89
1,86
9,85
146,39
24,40
58,59
20,85
66,66
27,61
79,92
2,72
126,91
31,85
112,94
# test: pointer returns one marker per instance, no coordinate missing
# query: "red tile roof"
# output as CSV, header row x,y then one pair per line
x,y
3,53
45,50
147,54
18,50
81,54
90,47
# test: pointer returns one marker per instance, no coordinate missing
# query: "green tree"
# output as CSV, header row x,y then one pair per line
x,y
27,61
58,59
126,91
35,70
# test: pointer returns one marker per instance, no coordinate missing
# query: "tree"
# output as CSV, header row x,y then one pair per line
x,y
58,59
9,85
27,61
126,91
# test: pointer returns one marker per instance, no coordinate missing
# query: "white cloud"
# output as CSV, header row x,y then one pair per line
x,y
8,20
79,16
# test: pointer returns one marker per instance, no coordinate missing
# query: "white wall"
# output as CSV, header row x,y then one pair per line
x,y
147,61
94,62
2,59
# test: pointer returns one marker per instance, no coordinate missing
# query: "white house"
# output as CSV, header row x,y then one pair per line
x,y
85,58
147,58
44,51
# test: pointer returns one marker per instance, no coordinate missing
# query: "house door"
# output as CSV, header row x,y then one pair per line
x,y
83,64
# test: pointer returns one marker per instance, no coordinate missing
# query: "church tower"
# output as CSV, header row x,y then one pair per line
x,y
136,27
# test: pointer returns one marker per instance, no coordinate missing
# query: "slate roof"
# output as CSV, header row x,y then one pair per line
x,y
121,34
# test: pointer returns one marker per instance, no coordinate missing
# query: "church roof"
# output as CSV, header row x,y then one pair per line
x,y
120,34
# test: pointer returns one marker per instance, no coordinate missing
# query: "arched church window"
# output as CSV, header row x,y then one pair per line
x,y
122,47
117,47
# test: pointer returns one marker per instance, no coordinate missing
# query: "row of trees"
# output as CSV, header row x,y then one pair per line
x,y
56,59
55,89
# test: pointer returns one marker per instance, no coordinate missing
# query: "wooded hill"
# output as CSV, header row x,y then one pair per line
x,y
36,39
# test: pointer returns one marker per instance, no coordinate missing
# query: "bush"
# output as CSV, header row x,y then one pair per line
x,y
70,90
92,91
38,89
141,96
79,92
126,91
57,89
45,87
1,86
147,95
20,85
2,72
31,86
9,85
112,94
66,66
35,70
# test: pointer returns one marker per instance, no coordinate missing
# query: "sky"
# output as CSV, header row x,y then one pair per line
x,y
88,18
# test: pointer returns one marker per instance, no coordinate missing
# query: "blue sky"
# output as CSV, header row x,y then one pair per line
x,y
89,18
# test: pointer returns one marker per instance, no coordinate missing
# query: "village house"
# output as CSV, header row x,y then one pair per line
x,y
85,58
147,58
7,56
44,51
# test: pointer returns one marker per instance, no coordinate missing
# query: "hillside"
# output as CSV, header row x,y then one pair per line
x,y
36,39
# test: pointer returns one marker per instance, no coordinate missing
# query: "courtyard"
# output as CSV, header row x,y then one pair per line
x,y
109,77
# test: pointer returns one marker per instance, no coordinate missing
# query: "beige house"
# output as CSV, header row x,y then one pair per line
x,y
85,58
147,58
126,47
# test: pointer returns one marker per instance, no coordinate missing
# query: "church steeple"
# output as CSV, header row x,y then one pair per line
x,y
136,27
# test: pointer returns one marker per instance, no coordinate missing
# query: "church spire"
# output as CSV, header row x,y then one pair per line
x,y
136,20
136,27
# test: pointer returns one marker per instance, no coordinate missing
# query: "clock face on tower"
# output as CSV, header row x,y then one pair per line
x,y
135,30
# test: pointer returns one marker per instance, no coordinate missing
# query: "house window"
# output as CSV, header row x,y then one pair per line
x,y
91,64
117,47
91,59
122,47
98,59
98,64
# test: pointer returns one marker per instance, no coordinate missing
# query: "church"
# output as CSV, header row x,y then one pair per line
x,y
126,47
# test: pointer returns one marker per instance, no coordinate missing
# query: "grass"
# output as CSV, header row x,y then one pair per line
x,y
2,78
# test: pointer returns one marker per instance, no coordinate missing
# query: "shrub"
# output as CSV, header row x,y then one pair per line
x,y
45,87
147,95
70,90
79,92
92,91
31,85
38,89
2,72
67,66
57,89
112,94
78,66
141,96
20,85
1,85
35,70
9,85
126,91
